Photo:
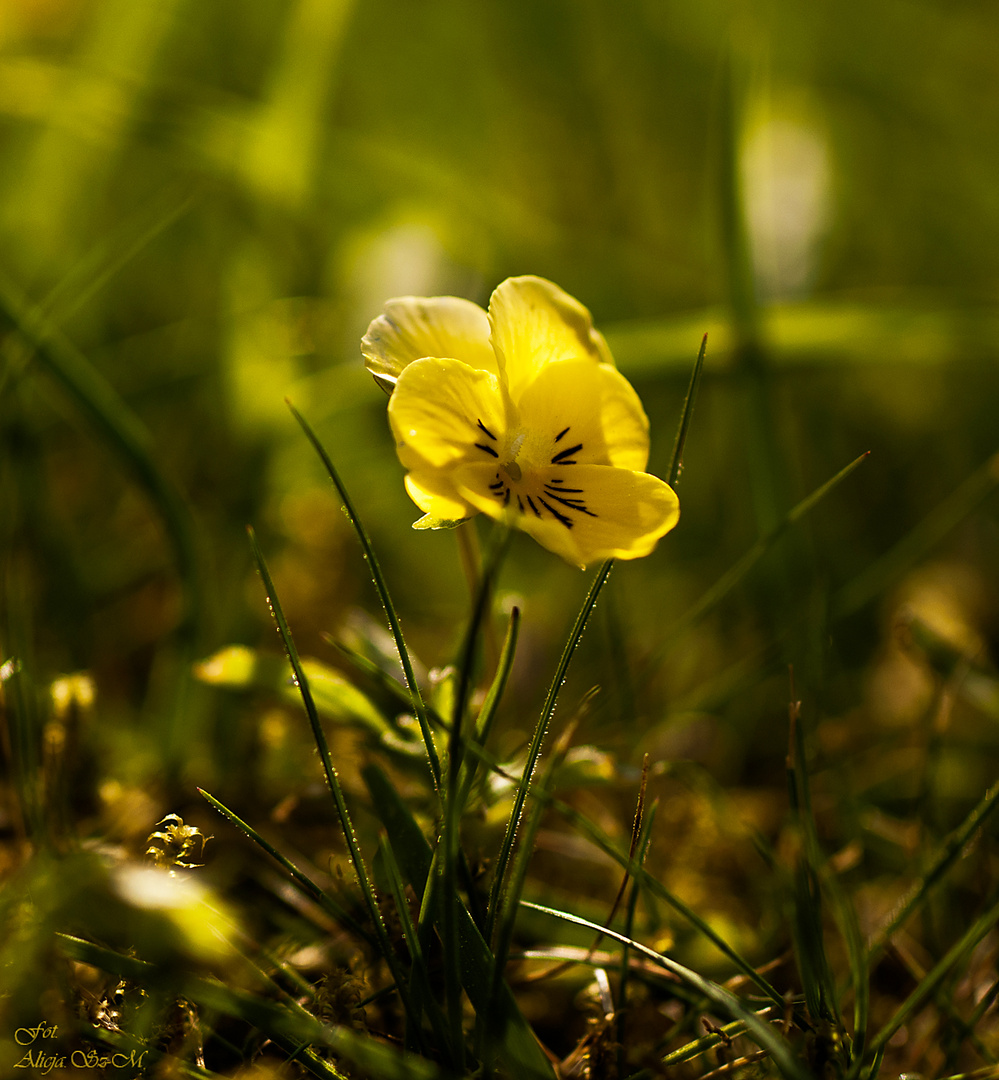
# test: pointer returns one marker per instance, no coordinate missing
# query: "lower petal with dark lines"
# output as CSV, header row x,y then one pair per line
x,y
605,512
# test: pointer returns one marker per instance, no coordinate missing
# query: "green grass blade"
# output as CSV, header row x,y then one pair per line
x,y
469,648
506,850
518,1048
982,926
305,883
813,963
764,1034
952,849
103,263
288,1023
353,848
518,877
676,462
856,951
641,875
120,429
371,670
448,865
420,989
381,587
411,847
642,849
728,581
702,1045
920,541
807,923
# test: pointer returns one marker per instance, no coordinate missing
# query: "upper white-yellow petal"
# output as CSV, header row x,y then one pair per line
x,y
413,327
535,323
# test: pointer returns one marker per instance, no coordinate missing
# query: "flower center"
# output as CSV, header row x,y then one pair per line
x,y
510,465
533,488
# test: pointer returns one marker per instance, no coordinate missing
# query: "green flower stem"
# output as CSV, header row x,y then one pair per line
x,y
419,708
448,865
484,723
470,555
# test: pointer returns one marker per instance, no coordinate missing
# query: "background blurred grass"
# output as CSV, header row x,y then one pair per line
x,y
203,205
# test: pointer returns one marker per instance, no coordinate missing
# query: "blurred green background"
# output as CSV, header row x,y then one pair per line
x,y
202,206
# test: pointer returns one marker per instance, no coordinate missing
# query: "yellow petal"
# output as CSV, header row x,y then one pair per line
x,y
585,513
535,323
591,408
434,492
443,412
413,327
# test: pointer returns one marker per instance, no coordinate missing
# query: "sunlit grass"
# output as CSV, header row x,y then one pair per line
x,y
724,811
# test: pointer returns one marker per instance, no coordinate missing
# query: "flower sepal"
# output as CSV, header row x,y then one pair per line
x,y
428,521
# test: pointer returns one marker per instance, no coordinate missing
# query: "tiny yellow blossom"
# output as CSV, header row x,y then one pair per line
x,y
519,413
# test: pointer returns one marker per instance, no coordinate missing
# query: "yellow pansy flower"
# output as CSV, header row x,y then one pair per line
x,y
520,413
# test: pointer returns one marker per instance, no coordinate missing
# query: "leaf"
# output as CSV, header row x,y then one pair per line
x,y
238,667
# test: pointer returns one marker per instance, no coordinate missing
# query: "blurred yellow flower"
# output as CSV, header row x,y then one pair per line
x,y
519,413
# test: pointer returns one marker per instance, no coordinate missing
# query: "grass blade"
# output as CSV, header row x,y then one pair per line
x,y
419,708
449,847
764,1034
920,541
506,849
518,1048
644,839
728,581
704,1044
505,926
420,988
676,462
356,859
120,429
654,886
807,928
287,1023
308,886
985,924
952,849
